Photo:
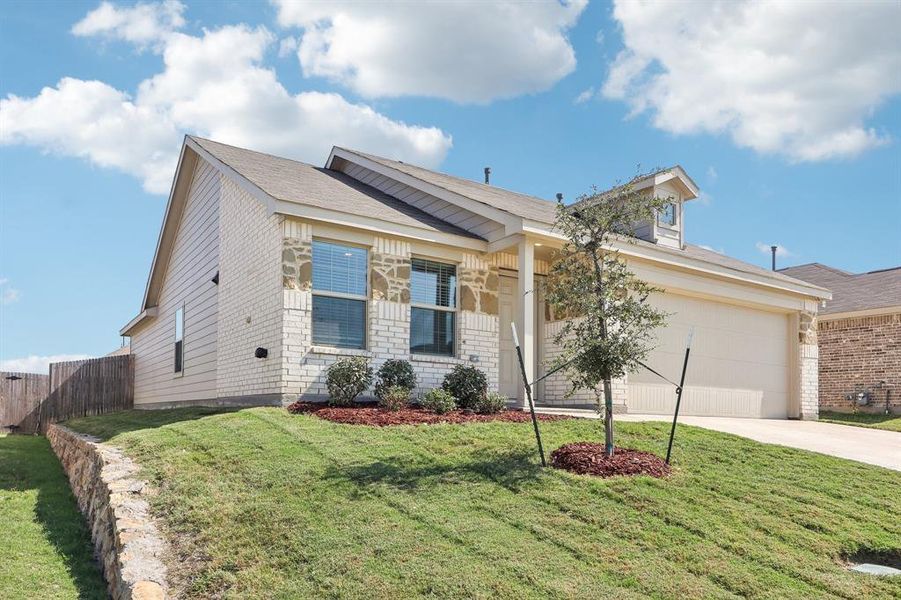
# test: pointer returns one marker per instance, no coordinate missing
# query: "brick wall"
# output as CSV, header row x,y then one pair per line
x,y
250,299
557,386
858,353
304,365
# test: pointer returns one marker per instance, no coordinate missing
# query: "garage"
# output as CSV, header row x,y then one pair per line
x,y
739,366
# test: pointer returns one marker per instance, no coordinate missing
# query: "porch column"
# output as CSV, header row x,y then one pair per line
x,y
525,322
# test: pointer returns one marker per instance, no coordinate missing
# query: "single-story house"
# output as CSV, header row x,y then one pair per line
x,y
267,270
859,336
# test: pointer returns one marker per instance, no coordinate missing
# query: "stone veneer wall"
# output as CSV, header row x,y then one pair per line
x,y
126,541
858,353
808,361
304,365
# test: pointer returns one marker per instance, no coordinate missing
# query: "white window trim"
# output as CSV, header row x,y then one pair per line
x,y
326,293
456,308
181,373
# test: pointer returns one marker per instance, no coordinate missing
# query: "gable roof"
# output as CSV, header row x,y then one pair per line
x,y
300,183
852,292
295,188
514,203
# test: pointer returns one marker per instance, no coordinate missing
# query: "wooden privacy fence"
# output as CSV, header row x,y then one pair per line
x,y
73,389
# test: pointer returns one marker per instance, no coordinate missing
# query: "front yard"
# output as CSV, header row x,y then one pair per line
x,y
260,503
887,422
45,547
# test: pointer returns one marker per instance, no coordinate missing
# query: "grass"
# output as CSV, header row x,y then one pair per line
x,y
260,503
45,547
887,422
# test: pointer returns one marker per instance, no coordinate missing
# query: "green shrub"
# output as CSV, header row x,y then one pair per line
x,y
395,373
346,379
467,384
491,403
394,398
438,401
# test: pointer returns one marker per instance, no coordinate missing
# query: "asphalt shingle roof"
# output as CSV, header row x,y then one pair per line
x,y
522,205
852,292
298,182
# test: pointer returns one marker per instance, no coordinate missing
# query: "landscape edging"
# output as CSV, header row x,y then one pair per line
x,y
127,543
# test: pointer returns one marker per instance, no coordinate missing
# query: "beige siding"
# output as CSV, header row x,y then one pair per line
x,y
250,297
187,282
441,209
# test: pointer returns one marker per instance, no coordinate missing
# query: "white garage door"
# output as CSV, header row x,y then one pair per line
x,y
739,363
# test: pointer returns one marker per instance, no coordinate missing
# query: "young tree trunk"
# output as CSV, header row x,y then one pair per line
x,y
608,416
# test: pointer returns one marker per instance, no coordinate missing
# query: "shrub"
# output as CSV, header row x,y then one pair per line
x,y
395,373
394,398
467,384
346,379
491,403
438,401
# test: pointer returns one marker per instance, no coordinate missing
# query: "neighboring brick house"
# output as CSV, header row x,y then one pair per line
x,y
268,270
859,337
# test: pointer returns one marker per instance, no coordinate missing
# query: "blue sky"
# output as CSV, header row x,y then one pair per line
x,y
794,139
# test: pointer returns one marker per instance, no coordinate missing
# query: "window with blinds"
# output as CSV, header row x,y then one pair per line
x,y
339,295
433,316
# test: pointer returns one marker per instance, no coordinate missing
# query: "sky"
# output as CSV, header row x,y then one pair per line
x,y
787,115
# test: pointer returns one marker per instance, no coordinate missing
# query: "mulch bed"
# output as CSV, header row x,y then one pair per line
x,y
588,458
367,414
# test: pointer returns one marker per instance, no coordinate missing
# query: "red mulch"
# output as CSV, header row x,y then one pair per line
x,y
367,414
587,458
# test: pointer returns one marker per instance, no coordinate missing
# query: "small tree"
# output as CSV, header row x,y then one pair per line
x,y
609,323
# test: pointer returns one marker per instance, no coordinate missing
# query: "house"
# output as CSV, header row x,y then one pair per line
x,y
267,270
859,336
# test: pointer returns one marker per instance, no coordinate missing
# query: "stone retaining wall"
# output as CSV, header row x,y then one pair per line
x,y
126,542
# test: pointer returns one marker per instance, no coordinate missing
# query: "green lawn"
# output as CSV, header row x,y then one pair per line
x,y
260,503
888,422
45,547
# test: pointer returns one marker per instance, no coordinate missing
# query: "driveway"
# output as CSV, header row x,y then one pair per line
x,y
872,446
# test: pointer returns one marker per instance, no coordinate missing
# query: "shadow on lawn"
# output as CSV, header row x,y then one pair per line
x,y
113,424
512,471
28,463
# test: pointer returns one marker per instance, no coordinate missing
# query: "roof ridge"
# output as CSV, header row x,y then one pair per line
x,y
822,266
198,139
882,270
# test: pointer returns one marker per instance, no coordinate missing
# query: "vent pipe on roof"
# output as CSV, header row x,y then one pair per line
x,y
773,250
487,174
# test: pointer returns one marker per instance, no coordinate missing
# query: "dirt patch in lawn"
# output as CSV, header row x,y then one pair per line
x,y
366,414
588,458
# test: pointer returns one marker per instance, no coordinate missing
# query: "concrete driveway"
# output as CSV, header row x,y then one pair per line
x,y
872,446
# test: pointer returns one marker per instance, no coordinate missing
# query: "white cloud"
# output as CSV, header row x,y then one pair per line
x,y
142,24
287,46
8,294
37,364
781,251
712,175
585,96
461,51
712,249
214,85
792,78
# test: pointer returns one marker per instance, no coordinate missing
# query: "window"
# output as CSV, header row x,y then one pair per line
x,y
667,215
433,314
179,339
339,295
